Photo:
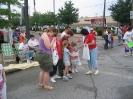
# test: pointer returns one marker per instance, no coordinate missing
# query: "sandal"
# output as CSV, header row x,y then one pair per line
x,y
40,86
48,88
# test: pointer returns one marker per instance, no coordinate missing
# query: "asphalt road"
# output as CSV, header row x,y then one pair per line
x,y
115,80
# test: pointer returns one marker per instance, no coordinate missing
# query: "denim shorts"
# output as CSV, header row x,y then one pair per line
x,y
119,37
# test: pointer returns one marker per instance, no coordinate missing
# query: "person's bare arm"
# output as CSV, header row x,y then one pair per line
x,y
92,42
70,54
47,41
79,47
4,76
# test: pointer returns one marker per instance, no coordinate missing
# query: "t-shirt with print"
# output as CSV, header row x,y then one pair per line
x,y
128,36
88,39
66,56
23,46
1,69
33,42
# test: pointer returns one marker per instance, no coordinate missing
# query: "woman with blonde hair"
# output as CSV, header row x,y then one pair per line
x,y
44,57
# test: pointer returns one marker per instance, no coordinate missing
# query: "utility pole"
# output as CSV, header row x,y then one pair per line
x,y
54,11
132,19
35,13
27,19
104,14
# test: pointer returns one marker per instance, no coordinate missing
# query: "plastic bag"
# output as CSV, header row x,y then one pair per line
x,y
3,91
76,61
86,54
55,56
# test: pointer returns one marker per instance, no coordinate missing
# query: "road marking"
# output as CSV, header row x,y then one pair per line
x,y
114,74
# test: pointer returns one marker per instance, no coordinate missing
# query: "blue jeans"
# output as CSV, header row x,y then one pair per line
x,y
54,71
28,54
112,44
92,63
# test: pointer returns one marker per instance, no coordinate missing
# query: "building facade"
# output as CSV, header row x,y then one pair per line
x,y
109,21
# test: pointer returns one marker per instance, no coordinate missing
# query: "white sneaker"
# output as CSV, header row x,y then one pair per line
x,y
28,61
96,72
52,79
65,78
57,77
125,55
89,72
73,71
69,76
76,71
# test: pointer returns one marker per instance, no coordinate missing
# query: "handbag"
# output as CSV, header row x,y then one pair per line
x,y
55,56
86,54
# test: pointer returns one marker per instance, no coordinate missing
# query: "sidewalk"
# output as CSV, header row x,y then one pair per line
x,y
76,35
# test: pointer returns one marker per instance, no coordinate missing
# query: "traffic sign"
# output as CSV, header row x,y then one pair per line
x,y
131,14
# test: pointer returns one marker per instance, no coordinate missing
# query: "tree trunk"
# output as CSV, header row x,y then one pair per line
x,y
9,15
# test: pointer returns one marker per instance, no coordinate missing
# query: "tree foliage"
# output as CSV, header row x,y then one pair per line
x,y
68,14
6,14
43,19
121,11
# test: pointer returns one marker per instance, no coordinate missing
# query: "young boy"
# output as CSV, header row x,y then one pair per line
x,y
112,41
60,62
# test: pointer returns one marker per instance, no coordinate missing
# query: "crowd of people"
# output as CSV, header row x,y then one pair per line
x,y
64,47
125,37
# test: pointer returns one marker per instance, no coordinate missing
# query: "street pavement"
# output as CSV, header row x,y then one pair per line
x,y
115,79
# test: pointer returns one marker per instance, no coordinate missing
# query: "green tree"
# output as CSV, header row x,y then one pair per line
x,y
68,14
44,19
7,13
121,11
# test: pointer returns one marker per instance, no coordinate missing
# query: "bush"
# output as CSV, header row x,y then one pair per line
x,y
74,30
61,30
99,32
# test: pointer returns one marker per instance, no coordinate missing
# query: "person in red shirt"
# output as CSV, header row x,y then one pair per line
x,y
112,41
90,40
124,30
60,62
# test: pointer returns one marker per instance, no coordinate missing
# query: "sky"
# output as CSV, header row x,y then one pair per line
x,y
90,8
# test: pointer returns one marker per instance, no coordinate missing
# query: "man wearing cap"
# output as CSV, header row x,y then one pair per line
x,y
33,43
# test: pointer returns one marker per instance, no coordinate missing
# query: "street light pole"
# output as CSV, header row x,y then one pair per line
x,y
35,13
104,14
27,19
54,11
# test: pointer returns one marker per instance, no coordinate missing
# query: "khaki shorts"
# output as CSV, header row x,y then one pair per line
x,y
67,63
45,61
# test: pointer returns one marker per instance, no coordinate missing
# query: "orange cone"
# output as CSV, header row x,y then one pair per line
x,y
79,39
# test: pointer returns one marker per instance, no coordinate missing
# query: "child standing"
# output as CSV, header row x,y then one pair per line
x,y
128,37
112,41
74,44
2,83
66,60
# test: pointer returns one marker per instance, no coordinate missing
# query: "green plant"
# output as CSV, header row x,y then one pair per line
x,y
61,30
99,31
74,30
